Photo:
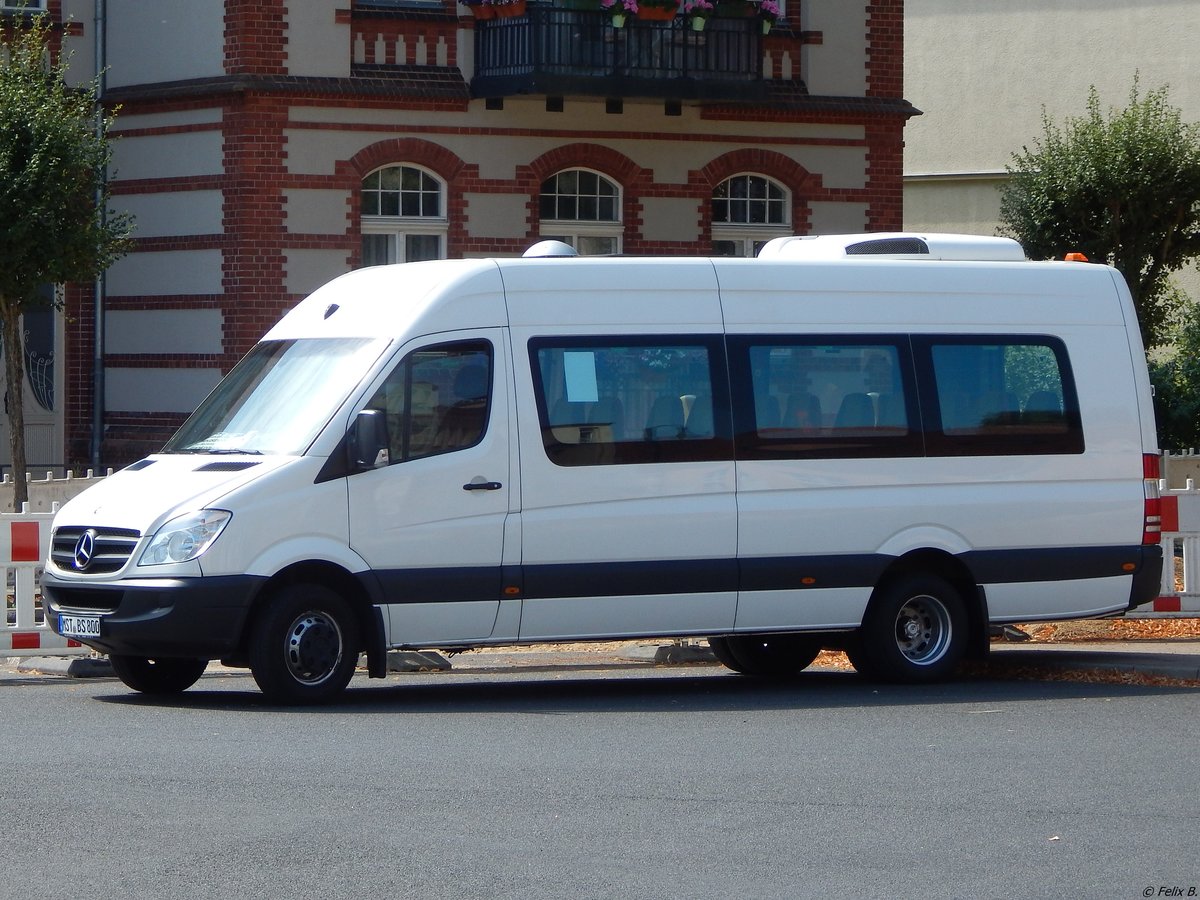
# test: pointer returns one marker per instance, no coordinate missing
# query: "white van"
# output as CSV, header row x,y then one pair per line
x,y
879,443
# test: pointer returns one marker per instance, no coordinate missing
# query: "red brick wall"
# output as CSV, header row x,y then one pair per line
x,y
255,176
254,38
885,48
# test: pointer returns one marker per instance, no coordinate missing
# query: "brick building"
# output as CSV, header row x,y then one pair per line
x,y
267,146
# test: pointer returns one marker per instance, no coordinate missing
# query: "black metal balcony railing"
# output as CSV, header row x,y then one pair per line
x,y
557,51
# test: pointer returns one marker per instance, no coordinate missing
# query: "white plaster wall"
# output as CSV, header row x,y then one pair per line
x,y
316,44
983,71
165,273
163,331
173,214
164,40
307,270
168,156
838,218
316,211
959,205
838,65
670,219
176,119
157,390
80,49
497,215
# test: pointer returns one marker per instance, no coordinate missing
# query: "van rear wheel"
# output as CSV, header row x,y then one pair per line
x,y
304,645
158,675
915,630
766,655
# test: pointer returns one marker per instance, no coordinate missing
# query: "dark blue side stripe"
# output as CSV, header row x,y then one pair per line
x,y
622,579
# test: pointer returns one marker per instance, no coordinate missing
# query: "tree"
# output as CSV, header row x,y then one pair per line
x,y
53,229
1122,189
1176,379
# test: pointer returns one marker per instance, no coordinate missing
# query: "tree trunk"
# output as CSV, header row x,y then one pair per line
x,y
14,383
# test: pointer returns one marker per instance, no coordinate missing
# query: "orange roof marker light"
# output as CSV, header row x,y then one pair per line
x,y
1075,257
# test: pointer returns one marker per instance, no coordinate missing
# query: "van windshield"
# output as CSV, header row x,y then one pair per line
x,y
278,398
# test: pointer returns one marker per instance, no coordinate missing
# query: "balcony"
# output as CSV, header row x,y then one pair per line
x,y
555,51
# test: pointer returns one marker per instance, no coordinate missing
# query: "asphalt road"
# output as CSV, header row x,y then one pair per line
x,y
577,783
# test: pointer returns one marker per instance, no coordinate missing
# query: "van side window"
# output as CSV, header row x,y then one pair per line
x,y
824,397
607,401
999,396
436,400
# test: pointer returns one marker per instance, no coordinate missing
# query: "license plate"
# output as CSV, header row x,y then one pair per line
x,y
79,626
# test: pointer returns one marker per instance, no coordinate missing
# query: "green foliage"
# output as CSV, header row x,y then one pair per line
x,y
1122,189
53,229
1176,380
52,162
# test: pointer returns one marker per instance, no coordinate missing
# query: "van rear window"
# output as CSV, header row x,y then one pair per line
x,y
998,396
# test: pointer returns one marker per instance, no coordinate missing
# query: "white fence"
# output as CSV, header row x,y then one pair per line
x,y
24,542
1180,541
24,539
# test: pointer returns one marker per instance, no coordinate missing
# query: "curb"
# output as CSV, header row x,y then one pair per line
x,y
1183,666
65,666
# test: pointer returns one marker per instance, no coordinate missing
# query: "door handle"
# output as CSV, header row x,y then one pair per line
x,y
482,486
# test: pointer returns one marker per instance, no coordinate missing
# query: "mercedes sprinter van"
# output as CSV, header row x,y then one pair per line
x,y
878,443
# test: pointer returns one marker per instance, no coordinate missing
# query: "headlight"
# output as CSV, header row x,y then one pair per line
x,y
185,538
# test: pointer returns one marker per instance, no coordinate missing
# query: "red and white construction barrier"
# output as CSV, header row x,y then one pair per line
x,y
1180,510
24,539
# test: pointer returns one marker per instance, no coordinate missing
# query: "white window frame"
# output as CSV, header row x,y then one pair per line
x,y
399,227
578,232
748,237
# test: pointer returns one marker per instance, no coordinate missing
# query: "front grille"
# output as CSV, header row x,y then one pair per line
x,y
87,599
111,548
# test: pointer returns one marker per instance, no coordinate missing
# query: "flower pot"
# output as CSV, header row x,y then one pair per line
x,y
482,10
766,25
698,23
657,13
618,20
509,10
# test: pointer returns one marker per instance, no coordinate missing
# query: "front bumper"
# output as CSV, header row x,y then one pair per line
x,y
194,617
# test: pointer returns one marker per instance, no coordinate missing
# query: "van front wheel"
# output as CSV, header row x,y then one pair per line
x,y
766,655
304,645
915,630
158,675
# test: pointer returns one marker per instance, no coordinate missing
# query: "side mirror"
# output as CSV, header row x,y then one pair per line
x,y
368,441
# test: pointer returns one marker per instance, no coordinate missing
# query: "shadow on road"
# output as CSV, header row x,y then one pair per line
x,y
656,690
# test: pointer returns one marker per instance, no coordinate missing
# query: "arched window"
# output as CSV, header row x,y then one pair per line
x,y
747,211
582,208
403,216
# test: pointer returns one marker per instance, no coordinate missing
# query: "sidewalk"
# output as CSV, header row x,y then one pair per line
x,y
1176,660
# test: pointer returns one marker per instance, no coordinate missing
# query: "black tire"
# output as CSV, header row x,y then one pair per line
x,y
915,631
304,645
158,675
720,649
767,655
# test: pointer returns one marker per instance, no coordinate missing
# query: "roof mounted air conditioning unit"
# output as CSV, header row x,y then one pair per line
x,y
894,245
